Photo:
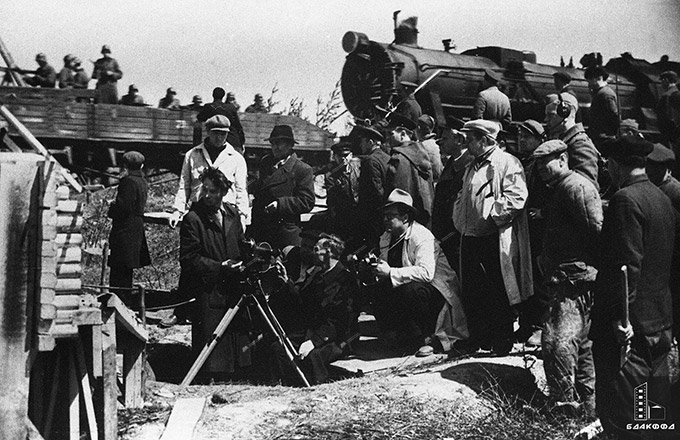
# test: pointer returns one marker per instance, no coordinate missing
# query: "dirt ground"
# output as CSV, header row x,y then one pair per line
x,y
242,411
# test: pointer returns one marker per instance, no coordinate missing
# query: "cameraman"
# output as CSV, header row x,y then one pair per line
x,y
210,259
418,292
324,296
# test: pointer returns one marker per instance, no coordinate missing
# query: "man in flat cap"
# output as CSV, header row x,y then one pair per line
x,y
127,242
560,118
409,167
170,101
258,105
341,179
567,263
669,86
495,257
632,312
629,127
132,97
236,137
408,106
283,191
213,152
372,177
604,109
107,73
45,75
491,103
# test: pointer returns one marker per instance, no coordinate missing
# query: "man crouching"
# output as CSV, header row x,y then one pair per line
x,y
418,292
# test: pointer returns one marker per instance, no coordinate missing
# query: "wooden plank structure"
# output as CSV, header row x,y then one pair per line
x,y
58,344
60,119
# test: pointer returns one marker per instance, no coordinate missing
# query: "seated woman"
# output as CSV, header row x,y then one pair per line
x,y
325,297
417,297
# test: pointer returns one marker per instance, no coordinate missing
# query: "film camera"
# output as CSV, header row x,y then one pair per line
x,y
259,256
362,265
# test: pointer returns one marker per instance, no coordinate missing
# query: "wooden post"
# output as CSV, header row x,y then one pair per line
x,y
16,76
73,397
19,268
106,396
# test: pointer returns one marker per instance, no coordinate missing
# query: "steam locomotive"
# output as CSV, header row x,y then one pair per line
x,y
373,72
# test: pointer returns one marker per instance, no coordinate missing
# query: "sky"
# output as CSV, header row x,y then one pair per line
x,y
250,46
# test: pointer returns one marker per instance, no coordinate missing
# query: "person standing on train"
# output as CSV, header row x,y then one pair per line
x,y
604,109
107,73
491,103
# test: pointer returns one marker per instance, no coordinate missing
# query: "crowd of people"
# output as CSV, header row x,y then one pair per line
x,y
107,72
456,239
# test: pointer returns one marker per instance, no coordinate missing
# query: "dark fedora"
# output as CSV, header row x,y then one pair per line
x,y
282,132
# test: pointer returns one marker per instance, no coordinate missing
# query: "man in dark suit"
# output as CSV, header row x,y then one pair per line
x,y
236,137
284,190
127,241
638,232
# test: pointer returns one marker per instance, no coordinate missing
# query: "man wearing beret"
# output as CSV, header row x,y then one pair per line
x,y
560,118
491,103
604,110
214,152
570,244
409,167
284,190
667,126
127,241
632,328
408,106
495,257
372,178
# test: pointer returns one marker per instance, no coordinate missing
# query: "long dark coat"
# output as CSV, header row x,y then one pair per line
x,y
292,185
204,245
127,241
410,169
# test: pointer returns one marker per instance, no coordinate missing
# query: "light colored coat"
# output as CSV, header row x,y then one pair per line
x,y
233,166
424,261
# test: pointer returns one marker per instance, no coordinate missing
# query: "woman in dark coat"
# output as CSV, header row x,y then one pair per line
x,y
127,242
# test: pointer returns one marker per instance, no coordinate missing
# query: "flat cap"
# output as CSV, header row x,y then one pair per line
x,y
491,75
409,85
661,154
218,122
629,123
533,127
553,146
670,75
366,131
561,75
399,120
483,126
133,160
627,146
595,71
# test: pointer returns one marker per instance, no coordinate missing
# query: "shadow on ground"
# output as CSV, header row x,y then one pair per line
x,y
494,379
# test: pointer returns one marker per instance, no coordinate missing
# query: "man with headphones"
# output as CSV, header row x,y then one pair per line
x,y
560,118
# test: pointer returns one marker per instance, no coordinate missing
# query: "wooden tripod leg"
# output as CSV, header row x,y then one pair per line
x,y
212,343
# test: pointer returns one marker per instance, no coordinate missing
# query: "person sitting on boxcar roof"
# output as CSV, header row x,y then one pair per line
x,y
45,75
257,106
132,98
491,103
170,101
231,99
80,78
65,76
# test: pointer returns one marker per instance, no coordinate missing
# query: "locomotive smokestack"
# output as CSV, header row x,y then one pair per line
x,y
406,32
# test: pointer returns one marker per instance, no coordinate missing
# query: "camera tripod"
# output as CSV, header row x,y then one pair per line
x,y
255,295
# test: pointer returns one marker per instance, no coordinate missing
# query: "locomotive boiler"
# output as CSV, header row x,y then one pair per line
x,y
373,72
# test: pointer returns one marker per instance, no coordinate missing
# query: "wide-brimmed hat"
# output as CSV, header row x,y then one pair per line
x,y
593,72
282,132
491,76
399,197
